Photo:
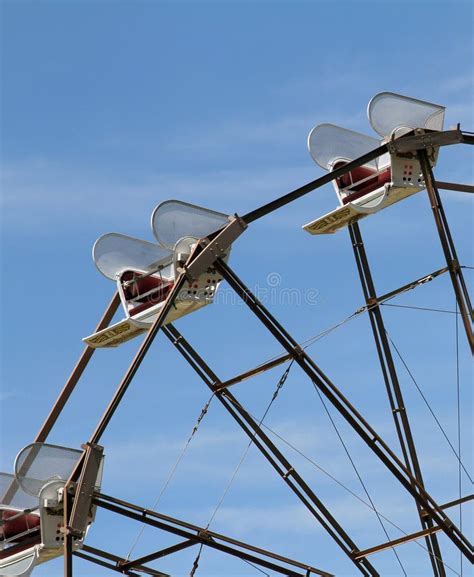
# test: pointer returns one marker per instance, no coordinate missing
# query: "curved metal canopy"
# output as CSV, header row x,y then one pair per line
x,y
388,111
328,143
173,219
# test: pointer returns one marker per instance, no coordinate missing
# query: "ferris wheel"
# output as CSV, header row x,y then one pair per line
x,y
53,496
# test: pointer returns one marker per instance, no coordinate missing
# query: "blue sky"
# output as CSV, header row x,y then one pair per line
x,y
109,108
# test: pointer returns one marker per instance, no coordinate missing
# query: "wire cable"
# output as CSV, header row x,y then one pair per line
x,y
429,407
421,309
351,460
311,340
279,386
342,485
173,470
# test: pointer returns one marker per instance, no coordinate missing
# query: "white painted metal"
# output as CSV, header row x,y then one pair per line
x,y
173,219
178,226
36,490
389,112
384,181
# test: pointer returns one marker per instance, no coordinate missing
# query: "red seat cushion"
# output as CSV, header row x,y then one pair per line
x,y
153,299
140,286
355,191
19,525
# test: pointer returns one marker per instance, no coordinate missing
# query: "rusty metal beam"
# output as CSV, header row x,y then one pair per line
x,y
76,374
348,412
288,473
158,554
401,541
392,385
455,186
404,144
452,503
252,372
449,249
208,538
135,364
116,562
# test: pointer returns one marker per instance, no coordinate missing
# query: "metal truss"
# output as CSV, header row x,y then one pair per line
x,y
394,392
207,253
195,535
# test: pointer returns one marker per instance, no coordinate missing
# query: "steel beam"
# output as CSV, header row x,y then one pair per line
x,y
454,186
269,450
392,386
401,541
348,412
133,368
158,554
206,537
116,562
75,375
449,250
404,144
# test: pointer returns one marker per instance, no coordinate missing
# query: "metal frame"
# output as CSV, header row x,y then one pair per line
x,y
269,450
447,243
394,393
194,535
208,252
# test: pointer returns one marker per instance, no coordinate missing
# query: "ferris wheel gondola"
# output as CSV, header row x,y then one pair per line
x,y
145,272
383,181
32,508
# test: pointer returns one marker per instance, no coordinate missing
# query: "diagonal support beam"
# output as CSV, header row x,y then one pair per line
x,y
97,556
208,538
76,374
372,303
349,413
400,541
392,386
454,186
158,554
449,250
407,143
269,450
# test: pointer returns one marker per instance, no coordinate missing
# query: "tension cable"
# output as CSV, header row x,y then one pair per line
x,y
458,457
279,386
173,470
341,484
351,460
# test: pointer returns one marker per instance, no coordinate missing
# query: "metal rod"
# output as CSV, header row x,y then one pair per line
x,y
454,503
454,186
392,386
253,372
202,535
269,450
401,541
131,371
303,190
110,566
118,561
449,250
407,143
158,554
286,357
375,301
63,398
68,538
76,374
348,411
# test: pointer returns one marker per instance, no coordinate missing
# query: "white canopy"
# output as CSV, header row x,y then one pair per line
x,y
172,220
328,143
388,111
39,463
115,253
